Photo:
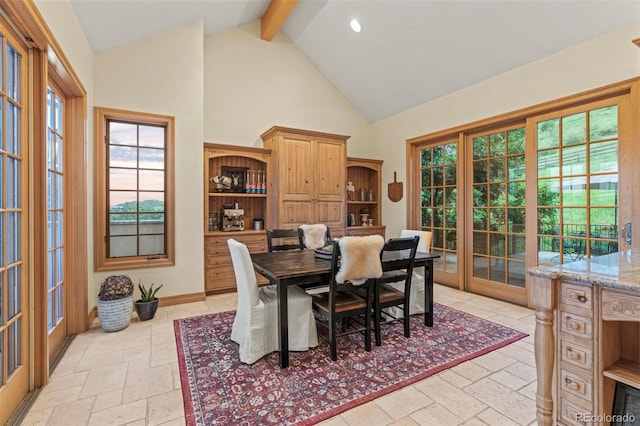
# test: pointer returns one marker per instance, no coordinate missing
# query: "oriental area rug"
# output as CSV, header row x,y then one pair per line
x,y
218,389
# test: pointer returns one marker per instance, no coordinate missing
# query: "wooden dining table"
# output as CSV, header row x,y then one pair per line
x,y
300,267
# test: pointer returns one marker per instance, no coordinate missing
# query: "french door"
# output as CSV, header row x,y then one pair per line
x,y
55,260
548,189
496,197
14,295
580,201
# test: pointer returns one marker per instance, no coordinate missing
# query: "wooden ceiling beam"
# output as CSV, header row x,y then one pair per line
x,y
274,17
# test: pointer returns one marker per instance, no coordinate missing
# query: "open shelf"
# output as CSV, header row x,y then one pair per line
x,y
236,194
625,371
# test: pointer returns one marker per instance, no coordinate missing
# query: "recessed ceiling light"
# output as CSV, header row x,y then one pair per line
x,y
355,25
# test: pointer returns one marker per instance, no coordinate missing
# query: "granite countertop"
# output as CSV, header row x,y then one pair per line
x,y
619,270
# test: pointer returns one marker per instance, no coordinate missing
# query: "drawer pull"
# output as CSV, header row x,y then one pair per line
x,y
574,325
572,385
579,297
575,356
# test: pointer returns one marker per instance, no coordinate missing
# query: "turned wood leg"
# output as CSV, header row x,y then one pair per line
x,y
545,354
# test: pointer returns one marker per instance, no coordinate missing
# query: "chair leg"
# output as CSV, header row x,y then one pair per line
x,y
367,321
407,319
377,315
332,339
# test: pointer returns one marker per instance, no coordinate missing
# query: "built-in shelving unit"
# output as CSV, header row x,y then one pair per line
x,y
365,176
219,276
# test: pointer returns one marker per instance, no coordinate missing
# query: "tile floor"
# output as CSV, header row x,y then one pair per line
x,y
131,377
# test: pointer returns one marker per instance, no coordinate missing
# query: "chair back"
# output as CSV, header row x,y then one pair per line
x,y
425,238
359,259
248,293
399,254
313,236
276,239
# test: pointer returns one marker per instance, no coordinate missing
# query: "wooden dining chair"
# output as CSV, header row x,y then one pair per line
x,y
313,236
385,295
359,266
255,326
280,239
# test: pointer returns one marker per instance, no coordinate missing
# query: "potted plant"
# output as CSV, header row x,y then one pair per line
x,y
147,305
115,302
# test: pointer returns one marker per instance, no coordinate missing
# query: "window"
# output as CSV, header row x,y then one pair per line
x,y
134,190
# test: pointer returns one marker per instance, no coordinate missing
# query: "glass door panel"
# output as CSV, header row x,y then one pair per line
x,y
577,187
497,200
14,374
56,323
439,207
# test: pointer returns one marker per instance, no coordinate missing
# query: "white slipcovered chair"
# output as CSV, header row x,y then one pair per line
x,y
255,327
417,281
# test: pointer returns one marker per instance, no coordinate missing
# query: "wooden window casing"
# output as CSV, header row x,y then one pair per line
x,y
103,259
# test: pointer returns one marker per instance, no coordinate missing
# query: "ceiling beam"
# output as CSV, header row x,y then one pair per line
x,y
274,17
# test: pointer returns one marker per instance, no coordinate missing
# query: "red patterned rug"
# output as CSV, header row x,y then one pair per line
x,y
218,389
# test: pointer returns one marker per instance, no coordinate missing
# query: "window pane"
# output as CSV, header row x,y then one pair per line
x,y
151,158
151,180
548,133
516,141
123,246
603,123
497,145
574,191
13,292
574,160
152,136
12,133
123,134
548,163
123,201
480,267
480,148
150,245
13,346
516,167
13,73
123,179
574,129
603,190
123,156
603,157
516,275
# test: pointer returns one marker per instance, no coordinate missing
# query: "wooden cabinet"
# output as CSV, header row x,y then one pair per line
x,y
587,337
365,175
219,276
309,184
577,379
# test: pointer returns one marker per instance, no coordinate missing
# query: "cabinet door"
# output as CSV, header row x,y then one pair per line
x,y
331,213
295,213
296,169
330,170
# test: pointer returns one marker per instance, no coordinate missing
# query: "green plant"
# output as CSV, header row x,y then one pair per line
x,y
148,295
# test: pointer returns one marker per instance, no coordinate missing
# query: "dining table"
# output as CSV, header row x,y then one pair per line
x,y
304,267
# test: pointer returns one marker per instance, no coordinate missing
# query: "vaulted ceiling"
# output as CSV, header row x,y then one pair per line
x,y
408,52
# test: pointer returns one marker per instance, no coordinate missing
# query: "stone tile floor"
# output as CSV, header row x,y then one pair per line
x,y
131,377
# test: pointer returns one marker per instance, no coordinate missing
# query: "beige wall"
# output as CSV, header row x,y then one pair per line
x,y
162,74
230,87
597,62
251,84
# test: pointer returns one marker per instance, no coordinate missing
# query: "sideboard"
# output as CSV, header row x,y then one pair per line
x,y
587,336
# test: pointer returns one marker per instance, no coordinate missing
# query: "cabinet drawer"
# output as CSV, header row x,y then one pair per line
x,y
576,385
576,325
620,306
573,414
577,355
576,295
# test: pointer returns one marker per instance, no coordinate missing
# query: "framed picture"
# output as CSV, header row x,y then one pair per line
x,y
238,177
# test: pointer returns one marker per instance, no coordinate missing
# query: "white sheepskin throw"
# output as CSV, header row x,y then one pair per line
x,y
360,259
314,235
